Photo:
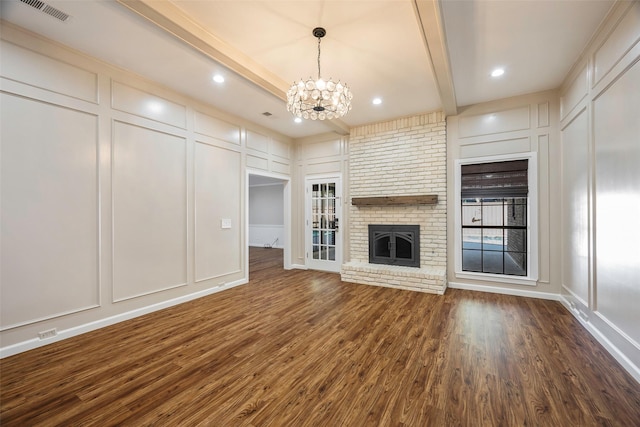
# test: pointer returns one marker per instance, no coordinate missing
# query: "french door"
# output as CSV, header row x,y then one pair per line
x,y
323,213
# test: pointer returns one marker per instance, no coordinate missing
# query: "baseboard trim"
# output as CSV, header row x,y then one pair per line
x,y
505,291
612,349
31,344
617,354
258,245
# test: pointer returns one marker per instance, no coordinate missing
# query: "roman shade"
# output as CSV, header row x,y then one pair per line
x,y
495,180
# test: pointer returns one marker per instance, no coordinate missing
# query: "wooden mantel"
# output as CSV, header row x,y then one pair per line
x,y
424,199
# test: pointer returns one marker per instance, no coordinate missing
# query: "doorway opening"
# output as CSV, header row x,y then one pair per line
x,y
268,215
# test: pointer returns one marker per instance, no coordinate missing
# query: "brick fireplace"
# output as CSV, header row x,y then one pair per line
x,y
397,176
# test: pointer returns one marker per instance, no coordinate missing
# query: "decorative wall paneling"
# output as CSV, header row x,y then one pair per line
x,y
261,163
268,154
119,197
620,41
600,138
575,206
149,199
218,198
495,147
319,155
137,102
44,72
510,120
216,128
575,93
50,220
510,127
616,134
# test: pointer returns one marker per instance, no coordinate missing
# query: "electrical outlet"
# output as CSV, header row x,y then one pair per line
x,y
48,334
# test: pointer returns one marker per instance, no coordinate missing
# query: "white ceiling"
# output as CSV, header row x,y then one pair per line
x,y
378,47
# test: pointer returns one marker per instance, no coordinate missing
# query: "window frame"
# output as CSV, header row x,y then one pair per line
x,y
532,224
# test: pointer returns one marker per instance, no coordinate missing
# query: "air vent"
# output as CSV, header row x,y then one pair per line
x,y
49,10
267,114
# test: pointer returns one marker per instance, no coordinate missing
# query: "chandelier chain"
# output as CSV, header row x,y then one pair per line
x,y
319,40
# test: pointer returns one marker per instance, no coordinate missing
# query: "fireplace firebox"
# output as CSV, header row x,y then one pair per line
x,y
394,245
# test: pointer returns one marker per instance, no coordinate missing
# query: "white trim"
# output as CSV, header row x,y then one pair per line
x,y
505,291
50,317
326,265
568,291
98,324
532,223
502,278
600,336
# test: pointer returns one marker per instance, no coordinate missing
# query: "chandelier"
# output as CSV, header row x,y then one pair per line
x,y
319,99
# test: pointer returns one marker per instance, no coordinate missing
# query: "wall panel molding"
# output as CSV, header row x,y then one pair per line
x,y
543,114
495,122
50,211
600,183
574,94
625,35
257,141
216,128
149,211
44,72
140,103
95,163
218,197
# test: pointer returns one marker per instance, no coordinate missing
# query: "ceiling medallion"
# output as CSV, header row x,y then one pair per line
x,y
319,99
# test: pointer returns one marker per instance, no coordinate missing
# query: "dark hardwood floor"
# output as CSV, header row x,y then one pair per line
x,y
301,348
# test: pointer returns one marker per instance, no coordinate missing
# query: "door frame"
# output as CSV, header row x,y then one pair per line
x,y
307,219
286,195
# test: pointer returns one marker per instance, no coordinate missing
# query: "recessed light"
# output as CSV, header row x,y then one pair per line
x,y
497,72
377,101
218,78
297,120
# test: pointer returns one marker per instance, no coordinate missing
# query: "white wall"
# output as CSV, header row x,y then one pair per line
x,y
326,154
113,193
266,215
513,126
600,139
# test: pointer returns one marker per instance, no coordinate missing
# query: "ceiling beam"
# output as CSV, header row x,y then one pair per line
x,y
174,20
429,15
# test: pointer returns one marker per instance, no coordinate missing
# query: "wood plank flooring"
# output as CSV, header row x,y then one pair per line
x,y
301,348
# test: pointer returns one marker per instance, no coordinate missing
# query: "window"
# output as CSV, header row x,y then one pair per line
x,y
495,221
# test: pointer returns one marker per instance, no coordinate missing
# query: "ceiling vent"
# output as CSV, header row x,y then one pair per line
x,y
49,10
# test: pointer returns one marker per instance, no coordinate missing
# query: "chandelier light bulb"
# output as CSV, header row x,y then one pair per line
x,y
319,99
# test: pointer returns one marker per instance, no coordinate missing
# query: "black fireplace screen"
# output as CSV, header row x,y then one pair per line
x,y
394,244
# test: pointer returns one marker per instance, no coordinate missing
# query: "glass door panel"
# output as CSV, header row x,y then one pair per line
x,y
323,218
